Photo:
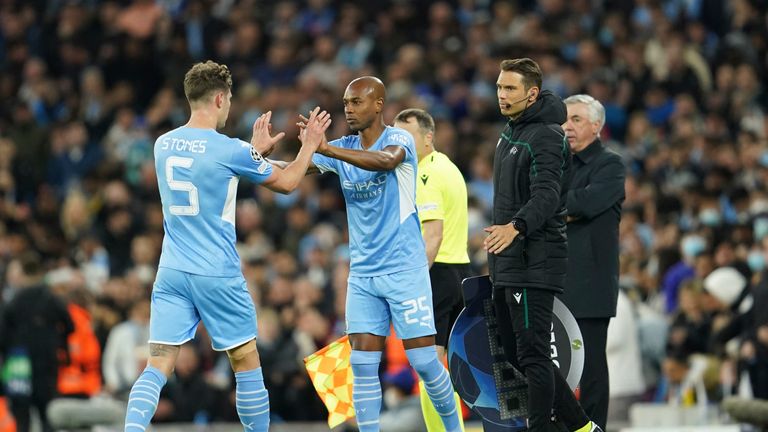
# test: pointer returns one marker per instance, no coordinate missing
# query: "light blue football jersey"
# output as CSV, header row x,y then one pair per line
x,y
197,173
384,231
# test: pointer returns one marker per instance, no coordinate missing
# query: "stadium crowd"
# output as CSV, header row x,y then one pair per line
x,y
86,86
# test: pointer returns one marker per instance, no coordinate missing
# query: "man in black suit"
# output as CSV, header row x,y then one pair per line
x,y
594,202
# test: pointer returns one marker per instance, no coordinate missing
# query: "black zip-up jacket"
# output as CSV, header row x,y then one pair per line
x,y
530,171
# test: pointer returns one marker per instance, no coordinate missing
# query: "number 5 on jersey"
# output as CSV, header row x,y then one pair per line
x,y
183,186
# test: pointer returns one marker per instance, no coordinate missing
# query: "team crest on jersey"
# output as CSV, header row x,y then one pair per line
x,y
513,151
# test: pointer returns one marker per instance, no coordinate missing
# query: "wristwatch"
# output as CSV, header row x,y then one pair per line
x,y
519,225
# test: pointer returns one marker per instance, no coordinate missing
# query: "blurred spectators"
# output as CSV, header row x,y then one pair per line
x,y
127,350
187,397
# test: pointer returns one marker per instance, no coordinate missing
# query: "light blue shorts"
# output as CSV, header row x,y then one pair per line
x,y
404,298
180,300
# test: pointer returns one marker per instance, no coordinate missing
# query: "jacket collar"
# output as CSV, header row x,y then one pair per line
x,y
548,108
588,154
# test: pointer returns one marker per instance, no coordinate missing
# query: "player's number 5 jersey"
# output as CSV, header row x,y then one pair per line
x,y
197,174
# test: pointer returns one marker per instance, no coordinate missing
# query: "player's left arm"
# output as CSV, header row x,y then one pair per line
x,y
311,169
385,159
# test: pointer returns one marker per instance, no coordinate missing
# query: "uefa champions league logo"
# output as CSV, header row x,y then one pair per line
x,y
482,376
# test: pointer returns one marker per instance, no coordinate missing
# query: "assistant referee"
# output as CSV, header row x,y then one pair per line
x,y
441,197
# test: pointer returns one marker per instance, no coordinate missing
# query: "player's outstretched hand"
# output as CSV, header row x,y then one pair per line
x,y
262,140
312,129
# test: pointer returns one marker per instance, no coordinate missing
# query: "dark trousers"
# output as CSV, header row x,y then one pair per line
x,y
594,380
21,407
524,319
758,376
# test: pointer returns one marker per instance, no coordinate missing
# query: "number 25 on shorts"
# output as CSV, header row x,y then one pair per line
x,y
421,307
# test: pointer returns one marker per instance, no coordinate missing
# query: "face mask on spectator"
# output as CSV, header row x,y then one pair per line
x,y
692,246
764,159
756,261
709,217
760,228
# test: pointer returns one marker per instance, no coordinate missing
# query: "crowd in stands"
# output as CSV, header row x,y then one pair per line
x,y
86,86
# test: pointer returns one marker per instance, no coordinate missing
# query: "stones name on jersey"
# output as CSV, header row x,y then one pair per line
x,y
180,144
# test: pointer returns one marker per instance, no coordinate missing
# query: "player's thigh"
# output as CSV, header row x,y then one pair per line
x,y
409,295
366,311
227,310
173,318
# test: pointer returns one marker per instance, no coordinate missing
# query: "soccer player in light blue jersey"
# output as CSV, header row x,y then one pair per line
x,y
389,277
199,276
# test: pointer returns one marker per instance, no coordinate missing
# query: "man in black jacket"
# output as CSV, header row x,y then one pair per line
x,y
594,202
33,332
527,246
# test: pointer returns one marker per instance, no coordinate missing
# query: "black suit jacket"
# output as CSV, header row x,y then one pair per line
x,y
594,200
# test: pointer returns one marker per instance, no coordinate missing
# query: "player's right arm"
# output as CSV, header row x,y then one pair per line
x,y
385,159
286,178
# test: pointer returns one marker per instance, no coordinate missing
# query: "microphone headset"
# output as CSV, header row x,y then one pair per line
x,y
528,96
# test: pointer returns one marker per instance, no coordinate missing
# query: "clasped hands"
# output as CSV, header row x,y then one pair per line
x,y
312,131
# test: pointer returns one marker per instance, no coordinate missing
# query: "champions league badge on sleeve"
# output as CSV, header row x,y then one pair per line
x,y
482,376
259,159
255,155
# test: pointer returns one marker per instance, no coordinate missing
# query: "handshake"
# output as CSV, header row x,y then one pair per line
x,y
311,132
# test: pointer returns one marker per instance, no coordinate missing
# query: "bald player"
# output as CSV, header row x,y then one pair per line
x,y
389,275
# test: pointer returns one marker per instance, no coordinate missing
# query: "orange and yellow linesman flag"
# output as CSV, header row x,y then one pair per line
x,y
331,374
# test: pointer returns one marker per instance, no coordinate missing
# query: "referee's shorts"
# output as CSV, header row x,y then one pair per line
x,y
447,297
